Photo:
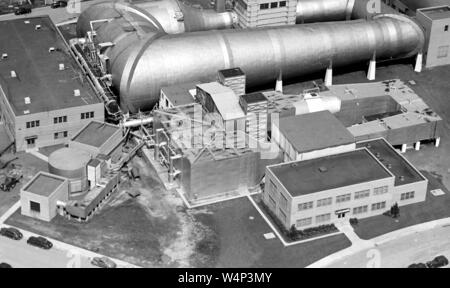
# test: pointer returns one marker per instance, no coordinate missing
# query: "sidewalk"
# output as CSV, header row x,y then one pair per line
x,y
367,244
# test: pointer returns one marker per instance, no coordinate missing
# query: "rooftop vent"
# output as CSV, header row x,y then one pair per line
x,y
61,67
377,154
4,55
37,27
26,112
76,93
402,178
389,166
323,169
26,21
368,145
13,74
51,49
27,100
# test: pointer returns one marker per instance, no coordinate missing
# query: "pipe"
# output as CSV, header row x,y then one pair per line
x,y
145,58
261,53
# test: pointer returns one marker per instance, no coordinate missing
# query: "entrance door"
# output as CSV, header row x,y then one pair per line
x,y
342,215
31,142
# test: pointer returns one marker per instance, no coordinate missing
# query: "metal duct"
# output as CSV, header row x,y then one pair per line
x,y
169,16
144,58
260,53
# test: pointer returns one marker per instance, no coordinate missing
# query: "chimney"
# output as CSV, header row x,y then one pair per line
x,y
219,6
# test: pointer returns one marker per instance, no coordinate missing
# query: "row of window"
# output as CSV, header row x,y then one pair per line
x,y
407,195
272,5
327,217
60,119
59,135
342,198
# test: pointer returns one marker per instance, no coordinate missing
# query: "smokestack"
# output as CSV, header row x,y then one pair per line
x,y
219,6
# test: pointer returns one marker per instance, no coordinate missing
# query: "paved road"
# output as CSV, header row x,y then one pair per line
x,y
21,255
421,246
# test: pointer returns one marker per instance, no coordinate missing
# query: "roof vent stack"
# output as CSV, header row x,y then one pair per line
x,y
13,74
61,67
4,56
76,93
27,100
37,27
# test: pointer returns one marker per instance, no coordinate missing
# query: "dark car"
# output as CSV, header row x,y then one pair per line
x,y
439,261
11,233
103,262
58,4
5,265
40,242
23,10
418,265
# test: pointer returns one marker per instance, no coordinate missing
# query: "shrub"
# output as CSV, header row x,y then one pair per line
x,y
354,221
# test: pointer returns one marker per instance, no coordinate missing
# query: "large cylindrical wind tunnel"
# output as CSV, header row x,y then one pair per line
x,y
145,57
260,53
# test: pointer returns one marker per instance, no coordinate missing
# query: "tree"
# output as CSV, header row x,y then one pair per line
x,y
395,211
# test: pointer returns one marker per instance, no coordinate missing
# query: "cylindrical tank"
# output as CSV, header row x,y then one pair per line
x,y
71,164
260,53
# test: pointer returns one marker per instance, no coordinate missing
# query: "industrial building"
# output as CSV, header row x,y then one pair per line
x,y
436,22
311,135
357,184
177,95
80,177
44,98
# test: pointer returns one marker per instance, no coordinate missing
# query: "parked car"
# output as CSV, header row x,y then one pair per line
x,y
439,261
5,265
10,181
103,262
58,4
11,233
40,242
418,265
23,10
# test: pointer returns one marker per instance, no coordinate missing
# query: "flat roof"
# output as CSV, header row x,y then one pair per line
x,y
38,71
226,101
330,172
437,13
44,184
95,133
232,72
315,131
403,171
179,94
254,97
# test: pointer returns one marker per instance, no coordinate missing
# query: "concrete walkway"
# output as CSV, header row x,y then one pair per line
x,y
361,245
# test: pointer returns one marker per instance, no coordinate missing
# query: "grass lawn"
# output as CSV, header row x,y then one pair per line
x,y
240,228
435,207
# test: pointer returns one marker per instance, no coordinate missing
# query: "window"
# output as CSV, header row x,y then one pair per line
x,y
32,124
87,115
343,198
362,194
272,189
282,215
283,202
282,3
380,190
31,141
274,5
407,195
360,210
35,207
264,6
323,218
60,119
303,222
378,206
324,202
59,135
442,51
305,206
272,202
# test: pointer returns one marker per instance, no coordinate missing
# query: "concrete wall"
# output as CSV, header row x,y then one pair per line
x,y
420,193
45,132
218,177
